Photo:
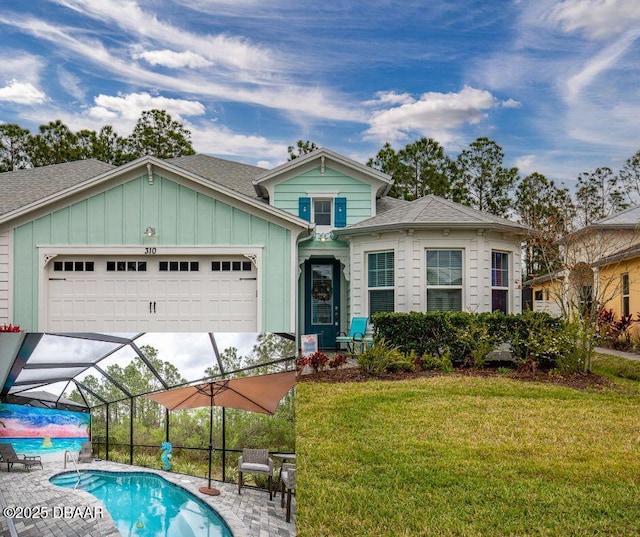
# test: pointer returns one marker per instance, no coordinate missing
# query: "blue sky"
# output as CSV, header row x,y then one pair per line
x,y
555,83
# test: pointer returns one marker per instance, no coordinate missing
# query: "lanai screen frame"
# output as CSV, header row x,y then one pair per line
x,y
29,343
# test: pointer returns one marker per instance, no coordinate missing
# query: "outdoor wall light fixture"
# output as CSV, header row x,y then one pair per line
x,y
324,237
150,231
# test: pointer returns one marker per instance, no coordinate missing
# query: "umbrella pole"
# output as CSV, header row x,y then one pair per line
x,y
208,490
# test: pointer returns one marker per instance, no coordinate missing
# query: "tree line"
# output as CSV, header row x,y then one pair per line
x,y
155,133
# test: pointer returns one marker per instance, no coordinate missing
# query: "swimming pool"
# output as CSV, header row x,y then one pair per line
x,y
143,504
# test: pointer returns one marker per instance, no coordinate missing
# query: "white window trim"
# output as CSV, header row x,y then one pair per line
x,y
506,288
622,293
386,288
461,287
323,228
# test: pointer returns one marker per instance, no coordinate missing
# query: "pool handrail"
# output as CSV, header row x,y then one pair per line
x,y
74,464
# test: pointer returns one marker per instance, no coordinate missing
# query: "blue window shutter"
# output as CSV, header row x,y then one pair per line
x,y
340,219
304,208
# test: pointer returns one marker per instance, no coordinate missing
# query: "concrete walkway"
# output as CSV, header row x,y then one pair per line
x,y
248,515
621,354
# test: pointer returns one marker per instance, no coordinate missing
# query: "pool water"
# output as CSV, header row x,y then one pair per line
x,y
145,505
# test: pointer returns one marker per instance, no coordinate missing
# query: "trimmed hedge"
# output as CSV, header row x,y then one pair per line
x,y
530,334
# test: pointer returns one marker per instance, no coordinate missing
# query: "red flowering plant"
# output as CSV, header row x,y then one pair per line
x,y
337,361
10,328
300,363
318,361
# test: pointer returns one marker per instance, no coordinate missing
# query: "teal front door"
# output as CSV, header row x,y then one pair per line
x,y
322,300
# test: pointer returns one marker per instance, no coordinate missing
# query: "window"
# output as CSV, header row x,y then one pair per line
x,y
235,266
500,282
179,266
75,266
538,295
126,266
380,269
324,209
322,212
625,294
444,280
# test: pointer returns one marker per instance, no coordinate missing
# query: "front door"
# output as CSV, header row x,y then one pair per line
x,y
322,300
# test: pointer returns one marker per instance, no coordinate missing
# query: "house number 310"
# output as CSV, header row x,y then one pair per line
x,y
149,251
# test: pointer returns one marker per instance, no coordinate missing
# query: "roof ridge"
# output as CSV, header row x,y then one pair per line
x,y
615,215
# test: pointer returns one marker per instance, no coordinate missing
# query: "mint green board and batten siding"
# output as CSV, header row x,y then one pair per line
x,y
182,217
358,194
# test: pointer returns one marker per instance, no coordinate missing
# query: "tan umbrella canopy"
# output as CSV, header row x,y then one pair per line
x,y
257,394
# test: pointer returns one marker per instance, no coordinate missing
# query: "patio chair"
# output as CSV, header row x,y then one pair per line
x,y
357,335
9,455
255,461
86,453
288,479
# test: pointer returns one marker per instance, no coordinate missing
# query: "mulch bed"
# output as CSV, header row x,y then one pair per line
x,y
578,381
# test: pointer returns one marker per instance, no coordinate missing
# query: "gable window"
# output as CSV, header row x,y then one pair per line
x,y
625,294
324,209
322,212
380,281
444,280
500,282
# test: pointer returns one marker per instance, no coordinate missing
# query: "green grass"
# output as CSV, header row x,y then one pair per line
x,y
622,371
466,456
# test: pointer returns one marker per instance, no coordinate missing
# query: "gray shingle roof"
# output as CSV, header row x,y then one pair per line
x,y
234,175
387,203
432,211
628,217
23,187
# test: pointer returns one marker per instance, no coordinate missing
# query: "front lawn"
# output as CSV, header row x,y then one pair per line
x,y
470,456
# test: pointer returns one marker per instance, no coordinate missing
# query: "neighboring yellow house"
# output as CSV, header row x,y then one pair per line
x,y
622,272
601,263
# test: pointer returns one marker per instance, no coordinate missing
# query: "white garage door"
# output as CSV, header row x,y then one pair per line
x,y
159,294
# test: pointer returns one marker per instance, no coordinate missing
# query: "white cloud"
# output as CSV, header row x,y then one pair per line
x,y
71,84
18,64
526,164
226,50
596,18
22,93
511,103
219,140
434,114
390,97
284,95
174,60
605,60
130,106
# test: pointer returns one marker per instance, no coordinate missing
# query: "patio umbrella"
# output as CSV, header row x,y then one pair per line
x,y
256,394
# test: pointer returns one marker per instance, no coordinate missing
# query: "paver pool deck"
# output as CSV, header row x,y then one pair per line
x,y
251,514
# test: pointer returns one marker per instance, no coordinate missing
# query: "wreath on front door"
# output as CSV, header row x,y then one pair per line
x,y
321,290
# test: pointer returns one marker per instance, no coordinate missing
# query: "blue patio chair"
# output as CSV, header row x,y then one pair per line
x,y
357,335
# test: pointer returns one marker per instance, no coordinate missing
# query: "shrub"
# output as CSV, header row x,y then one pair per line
x,y
318,361
438,363
614,333
337,361
572,348
478,341
383,357
10,328
469,337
